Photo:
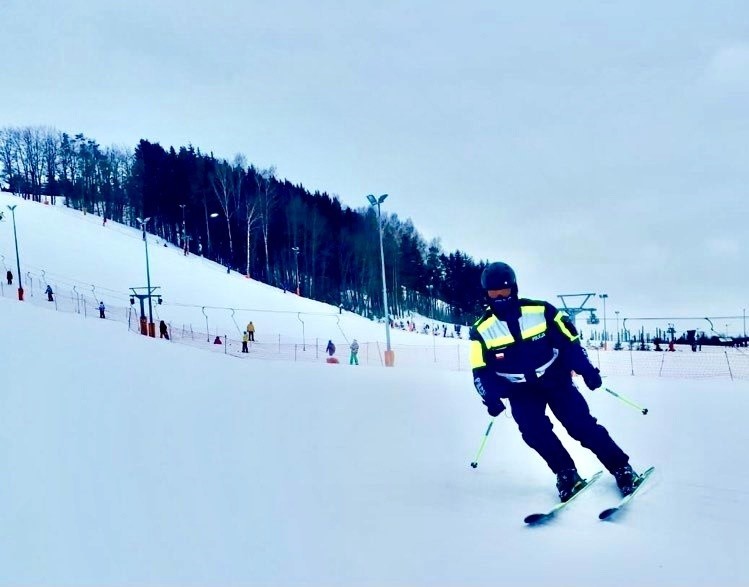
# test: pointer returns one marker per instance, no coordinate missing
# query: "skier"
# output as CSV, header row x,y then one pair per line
x,y
48,291
524,350
245,340
251,331
330,349
163,330
9,276
101,310
354,358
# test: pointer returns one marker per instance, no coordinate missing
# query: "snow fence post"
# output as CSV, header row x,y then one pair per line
x,y
729,364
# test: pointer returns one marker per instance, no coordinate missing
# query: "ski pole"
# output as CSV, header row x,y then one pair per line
x,y
627,401
475,462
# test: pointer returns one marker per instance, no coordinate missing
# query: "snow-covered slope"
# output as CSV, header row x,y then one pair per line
x,y
127,460
70,250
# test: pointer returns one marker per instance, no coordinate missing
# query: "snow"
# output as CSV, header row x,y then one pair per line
x,y
129,460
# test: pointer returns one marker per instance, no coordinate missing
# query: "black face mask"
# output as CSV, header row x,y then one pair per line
x,y
504,307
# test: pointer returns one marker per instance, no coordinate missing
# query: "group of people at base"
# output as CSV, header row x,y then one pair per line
x,y
353,357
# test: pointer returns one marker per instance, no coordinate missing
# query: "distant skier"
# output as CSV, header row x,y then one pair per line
x,y
330,349
48,291
9,276
163,330
251,331
354,358
101,310
692,340
524,350
245,340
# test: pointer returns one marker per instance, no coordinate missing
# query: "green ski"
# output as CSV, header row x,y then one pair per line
x,y
534,519
607,513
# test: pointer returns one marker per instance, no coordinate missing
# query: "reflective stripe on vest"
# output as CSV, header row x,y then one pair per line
x,y
496,333
476,355
520,377
566,331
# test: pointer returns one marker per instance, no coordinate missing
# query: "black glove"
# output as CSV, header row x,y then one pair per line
x,y
489,389
495,408
593,379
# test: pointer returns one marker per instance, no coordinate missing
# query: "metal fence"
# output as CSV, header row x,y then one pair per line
x,y
453,355
278,346
711,361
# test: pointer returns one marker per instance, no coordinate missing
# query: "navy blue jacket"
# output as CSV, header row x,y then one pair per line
x,y
531,343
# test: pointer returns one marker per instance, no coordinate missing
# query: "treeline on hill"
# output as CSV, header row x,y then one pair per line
x,y
248,219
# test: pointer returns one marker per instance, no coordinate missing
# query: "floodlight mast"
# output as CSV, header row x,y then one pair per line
x,y
389,354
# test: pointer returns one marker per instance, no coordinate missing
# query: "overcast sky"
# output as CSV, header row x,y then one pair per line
x,y
596,147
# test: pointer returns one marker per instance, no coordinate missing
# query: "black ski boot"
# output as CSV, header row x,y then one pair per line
x,y
568,483
626,480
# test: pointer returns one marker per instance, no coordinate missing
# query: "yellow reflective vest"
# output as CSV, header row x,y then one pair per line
x,y
524,348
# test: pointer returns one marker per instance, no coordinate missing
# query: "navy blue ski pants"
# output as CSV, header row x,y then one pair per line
x,y
528,402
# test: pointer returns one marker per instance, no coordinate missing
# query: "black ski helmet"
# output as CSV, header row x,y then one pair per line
x,y
498,275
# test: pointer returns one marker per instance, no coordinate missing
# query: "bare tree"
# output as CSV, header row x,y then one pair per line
x,y
67,167
121,162
50,154
226,181
10,157
88,155
32,159
318,231
267,199
252,218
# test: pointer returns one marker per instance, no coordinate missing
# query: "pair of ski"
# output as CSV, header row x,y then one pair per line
x,y
540,518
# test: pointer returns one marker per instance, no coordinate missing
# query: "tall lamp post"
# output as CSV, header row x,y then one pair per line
x,y
18,262
605,333
151,325
389,354
618,345
208,230
296,254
